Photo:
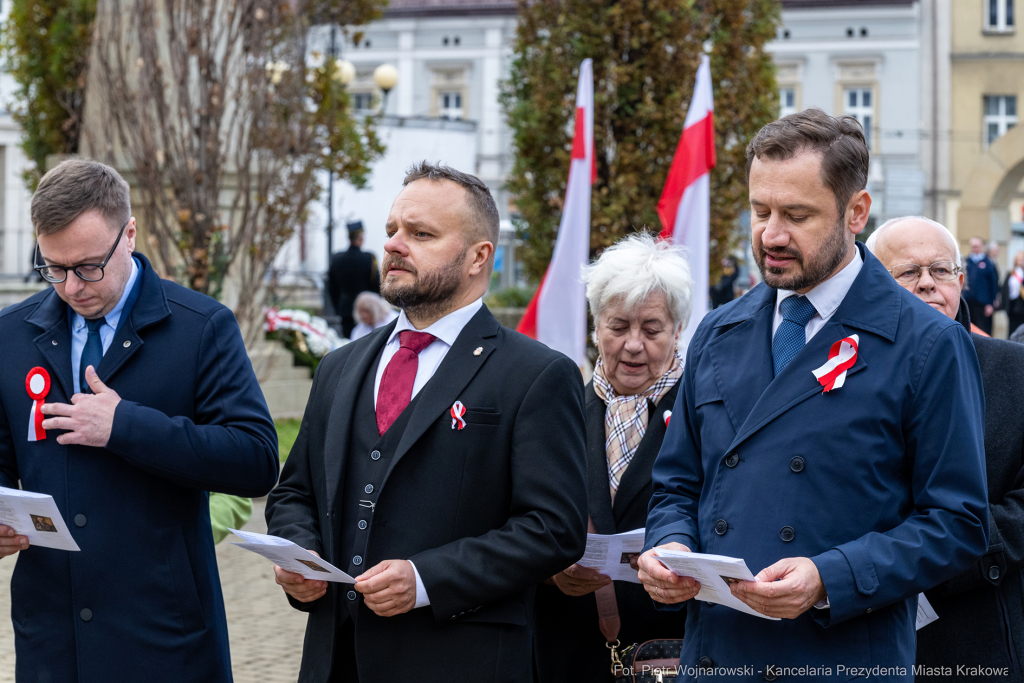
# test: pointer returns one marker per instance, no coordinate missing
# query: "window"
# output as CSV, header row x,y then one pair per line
x,y
858,104
999,15
451,104
787,101
1000,116
362,101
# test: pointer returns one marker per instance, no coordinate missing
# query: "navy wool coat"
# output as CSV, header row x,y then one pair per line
x,y
142,599
881,482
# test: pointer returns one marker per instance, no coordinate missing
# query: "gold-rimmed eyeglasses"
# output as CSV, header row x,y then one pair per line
x,y
941,271
89,272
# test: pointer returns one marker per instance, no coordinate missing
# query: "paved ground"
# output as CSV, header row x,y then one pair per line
x,y
266,634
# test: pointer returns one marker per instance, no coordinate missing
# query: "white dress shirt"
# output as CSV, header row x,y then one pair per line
x,y
825,297
80,332
446,330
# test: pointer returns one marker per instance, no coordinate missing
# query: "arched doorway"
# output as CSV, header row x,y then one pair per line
x,y
985,201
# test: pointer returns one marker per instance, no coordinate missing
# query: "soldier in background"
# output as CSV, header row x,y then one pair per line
x,y
351,272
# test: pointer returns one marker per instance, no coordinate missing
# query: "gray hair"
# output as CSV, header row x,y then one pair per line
x,y
377,305
872,241
634,268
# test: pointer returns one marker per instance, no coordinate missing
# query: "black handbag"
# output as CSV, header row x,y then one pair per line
x,y
656,661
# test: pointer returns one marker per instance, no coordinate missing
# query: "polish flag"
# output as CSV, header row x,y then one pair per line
x,y
685,204
557,315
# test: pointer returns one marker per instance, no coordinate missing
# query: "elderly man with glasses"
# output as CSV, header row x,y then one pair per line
x,y
981,610
148,402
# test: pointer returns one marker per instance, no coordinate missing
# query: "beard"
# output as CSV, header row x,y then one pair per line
x,y
429,294
812,272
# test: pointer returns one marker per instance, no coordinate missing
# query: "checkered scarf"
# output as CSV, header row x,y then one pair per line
x,y
625,418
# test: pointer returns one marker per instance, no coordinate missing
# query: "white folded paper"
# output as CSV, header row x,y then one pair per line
x,y
36,516
714,573
925,612
610,554
291,557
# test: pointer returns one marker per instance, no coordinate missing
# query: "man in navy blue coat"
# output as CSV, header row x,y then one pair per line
x,y
847,503
982,285
151,403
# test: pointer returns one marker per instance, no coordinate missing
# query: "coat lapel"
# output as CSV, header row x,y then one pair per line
x,y
346,392
637,478
597,465
55,341
459,366
148,308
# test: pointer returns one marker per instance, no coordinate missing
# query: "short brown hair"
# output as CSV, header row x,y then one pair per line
x,y
478,196
839,141
74,187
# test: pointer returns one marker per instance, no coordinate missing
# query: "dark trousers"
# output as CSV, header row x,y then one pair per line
x,y
978,317
344,670
1015,322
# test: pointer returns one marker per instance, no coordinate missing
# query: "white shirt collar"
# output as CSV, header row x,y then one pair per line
x,y
826,296
446,329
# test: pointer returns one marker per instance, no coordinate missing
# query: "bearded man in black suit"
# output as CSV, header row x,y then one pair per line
x,y
441,461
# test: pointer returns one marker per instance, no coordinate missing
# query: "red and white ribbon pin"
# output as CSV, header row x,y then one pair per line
x,y
457,411
38,386
668,416
841,357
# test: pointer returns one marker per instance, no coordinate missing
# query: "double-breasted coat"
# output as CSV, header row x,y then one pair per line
x,y
881,482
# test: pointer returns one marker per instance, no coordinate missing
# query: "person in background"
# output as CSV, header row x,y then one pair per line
x,y
351,271
981,609
725,291
1013,293
228,512
640,294
372,311
982,287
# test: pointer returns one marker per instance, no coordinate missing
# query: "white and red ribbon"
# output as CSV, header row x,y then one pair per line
x,y
457,411
668,416
841,357
37,383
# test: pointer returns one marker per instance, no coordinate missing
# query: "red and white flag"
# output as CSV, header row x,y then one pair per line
x,y
557,315
685,204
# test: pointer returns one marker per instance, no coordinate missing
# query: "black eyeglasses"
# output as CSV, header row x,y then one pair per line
x,y
89,272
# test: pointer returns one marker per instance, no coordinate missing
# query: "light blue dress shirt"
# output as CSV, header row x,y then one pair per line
x,y
80,332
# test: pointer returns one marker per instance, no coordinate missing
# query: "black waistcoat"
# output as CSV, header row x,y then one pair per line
x,y
369,459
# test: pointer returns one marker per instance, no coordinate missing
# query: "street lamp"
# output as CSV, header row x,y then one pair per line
x,y
386,78
344,71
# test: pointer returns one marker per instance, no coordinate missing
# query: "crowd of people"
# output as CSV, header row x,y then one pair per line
x,y
839,427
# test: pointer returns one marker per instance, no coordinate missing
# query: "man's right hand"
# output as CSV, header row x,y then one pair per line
x,y
578,580
662,584
10,541
298,586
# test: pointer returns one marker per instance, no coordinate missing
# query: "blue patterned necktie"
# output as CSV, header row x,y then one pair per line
x,y
791,335
92,354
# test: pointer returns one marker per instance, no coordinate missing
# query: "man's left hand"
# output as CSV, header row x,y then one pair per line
x,y
389,588
786,589
90,417
989,310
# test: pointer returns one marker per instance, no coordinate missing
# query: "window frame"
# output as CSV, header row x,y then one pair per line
x,y
1004,122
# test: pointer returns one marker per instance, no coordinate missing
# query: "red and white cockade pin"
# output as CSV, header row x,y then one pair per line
x,y
841,357
38,385
668,416
457,411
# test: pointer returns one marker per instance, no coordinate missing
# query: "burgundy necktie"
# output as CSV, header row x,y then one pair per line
x,y
395,390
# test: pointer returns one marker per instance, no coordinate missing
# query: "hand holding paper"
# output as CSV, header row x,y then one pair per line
x,y
10,541
300,572
663,584
785,590
35,518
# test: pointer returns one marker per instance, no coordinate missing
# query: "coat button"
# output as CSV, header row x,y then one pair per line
x,y
375,455
868,610
368,488
80,521
362,524
86,614
706,663
721,526
351,595
787,534
732,460
993,573
357,560
797,464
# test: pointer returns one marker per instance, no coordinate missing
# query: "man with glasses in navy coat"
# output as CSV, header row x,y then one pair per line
x,y
151,403
830,431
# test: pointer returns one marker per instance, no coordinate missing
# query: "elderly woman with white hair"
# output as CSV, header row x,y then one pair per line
x,y
372,311
640,294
